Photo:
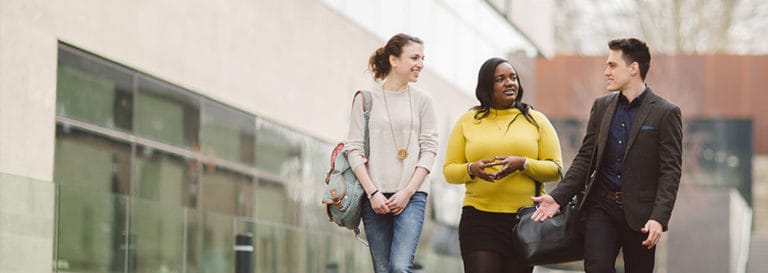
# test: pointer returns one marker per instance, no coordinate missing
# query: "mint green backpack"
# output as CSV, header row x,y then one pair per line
x,y
343,194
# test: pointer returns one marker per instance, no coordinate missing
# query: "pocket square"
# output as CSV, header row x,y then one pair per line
x,y
647,127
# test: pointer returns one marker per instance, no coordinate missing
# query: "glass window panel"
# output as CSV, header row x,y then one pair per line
x,y
276,250
272,202
315,215
194,240
93,91
354,260
227,192
317,253
278,150
158,237
166,178
91,162
91,231
317,163
218,253
227,133
167,114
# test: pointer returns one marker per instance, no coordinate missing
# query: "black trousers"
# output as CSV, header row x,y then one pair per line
x,y
606,232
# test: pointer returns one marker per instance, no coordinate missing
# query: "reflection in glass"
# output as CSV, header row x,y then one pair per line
x,y
92,90
227,192
158,237
317,251
227,133
194,240
91,231
317,163
719,154
278,150
91,162
167,114
272,204
276,251
218,253
166,178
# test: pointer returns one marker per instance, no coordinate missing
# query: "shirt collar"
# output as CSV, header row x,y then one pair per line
x,y
623,100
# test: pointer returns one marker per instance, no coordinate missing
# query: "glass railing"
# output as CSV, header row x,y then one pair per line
x,y
104,232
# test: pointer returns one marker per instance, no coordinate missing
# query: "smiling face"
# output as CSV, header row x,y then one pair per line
x,y
505,86
618,73
409,64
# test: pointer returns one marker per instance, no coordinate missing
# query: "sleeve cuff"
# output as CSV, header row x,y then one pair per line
x,y
355,160
557,198
426,160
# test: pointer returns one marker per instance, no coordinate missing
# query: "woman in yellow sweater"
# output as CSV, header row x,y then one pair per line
x,y
498,150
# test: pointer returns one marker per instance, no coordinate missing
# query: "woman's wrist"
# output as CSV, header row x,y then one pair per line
x,y
469,170
371,195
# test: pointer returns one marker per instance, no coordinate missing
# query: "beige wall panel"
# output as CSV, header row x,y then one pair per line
x,y
26,225
27,91
295,62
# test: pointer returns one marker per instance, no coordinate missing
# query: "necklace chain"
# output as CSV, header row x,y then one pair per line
x,y
498,126
402,153
496,121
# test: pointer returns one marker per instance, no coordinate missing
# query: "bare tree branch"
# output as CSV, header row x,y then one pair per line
x,y
671,26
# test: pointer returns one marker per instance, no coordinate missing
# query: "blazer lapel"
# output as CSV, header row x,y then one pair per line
x,y
605,128
645,109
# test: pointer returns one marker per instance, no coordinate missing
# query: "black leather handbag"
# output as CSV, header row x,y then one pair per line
x,y
555,240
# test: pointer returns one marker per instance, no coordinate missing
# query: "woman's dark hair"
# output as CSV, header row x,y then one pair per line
x,y
379,64
634,51
484,92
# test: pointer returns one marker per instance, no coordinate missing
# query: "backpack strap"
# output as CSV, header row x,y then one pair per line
x,y
367,103
367,114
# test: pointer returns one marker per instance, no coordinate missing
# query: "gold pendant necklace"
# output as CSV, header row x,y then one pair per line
x,y
402,153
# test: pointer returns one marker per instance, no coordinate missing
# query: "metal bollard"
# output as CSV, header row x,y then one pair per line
x,y
244,253
332,267
417,268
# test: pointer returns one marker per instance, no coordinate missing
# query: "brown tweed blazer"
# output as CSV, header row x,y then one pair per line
x,y
652,162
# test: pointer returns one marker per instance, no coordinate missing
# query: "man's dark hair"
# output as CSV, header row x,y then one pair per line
x,y
633,50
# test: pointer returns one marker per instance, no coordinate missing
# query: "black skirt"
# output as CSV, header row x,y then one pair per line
x,y
487,231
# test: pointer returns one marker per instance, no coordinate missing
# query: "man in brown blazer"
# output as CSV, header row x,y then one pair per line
x,y
628,167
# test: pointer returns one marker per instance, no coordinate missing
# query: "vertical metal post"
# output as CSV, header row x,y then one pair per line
x,y
244,253
417,268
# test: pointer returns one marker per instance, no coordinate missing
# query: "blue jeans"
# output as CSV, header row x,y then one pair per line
x,y
393,239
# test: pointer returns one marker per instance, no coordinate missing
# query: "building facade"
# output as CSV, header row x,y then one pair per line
x,y
144,136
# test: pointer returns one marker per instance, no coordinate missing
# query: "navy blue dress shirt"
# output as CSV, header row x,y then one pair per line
x,y
613,158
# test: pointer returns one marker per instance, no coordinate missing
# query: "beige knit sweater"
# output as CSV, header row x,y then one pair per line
x,y
388,173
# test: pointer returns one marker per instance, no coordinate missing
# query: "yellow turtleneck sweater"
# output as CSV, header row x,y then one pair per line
x,y
498,135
